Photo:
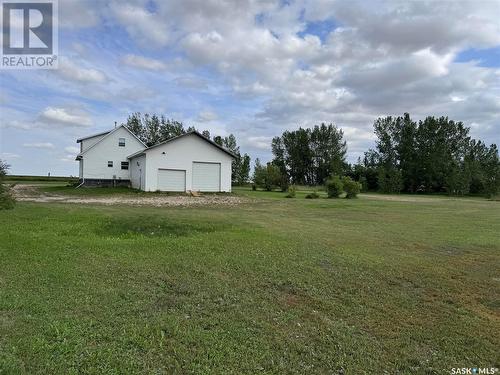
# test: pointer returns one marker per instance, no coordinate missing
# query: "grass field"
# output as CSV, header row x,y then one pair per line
x,y
273,286
40,180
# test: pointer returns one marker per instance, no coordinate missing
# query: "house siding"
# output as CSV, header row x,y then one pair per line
x,y
95,160
85,144
138,172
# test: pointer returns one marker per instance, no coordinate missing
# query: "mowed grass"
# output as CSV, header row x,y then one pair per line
x,y
273,286
39,180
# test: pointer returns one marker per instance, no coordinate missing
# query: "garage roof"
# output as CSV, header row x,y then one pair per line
x,y
193,132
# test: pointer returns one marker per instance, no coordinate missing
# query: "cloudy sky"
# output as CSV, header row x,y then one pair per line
x,y
253,68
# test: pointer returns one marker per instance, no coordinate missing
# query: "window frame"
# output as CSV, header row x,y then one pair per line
x,y
120,144
110,163
125,164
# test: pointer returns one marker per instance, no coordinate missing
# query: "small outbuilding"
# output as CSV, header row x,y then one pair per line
x,y
189,162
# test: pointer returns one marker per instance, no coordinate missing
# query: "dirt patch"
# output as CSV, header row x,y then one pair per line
x,y
30,193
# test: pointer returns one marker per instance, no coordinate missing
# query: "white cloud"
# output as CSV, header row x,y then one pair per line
x,y
146,27
8,155
65,116
144,62
46,145
72,150
206,116
16,125
75,14
262,142
68,158
70,71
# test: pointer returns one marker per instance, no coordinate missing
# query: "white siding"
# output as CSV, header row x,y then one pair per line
x,y
138,172
95,160
88,142
180,154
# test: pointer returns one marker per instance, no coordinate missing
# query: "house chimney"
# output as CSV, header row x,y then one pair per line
x,y
115,124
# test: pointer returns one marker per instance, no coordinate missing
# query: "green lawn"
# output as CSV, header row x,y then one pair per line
x,y
39,180
273,286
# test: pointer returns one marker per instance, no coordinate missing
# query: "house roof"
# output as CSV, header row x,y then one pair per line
x,y
91,136
193,132
107,134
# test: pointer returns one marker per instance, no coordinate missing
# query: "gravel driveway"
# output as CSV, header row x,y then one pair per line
x,y
31,193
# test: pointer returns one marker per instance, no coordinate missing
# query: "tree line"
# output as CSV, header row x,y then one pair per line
x,y
154,129
431,155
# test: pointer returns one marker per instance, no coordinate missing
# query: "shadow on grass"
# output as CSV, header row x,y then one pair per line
x,y
153,226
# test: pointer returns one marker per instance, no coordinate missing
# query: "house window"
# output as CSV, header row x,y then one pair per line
x,y
121,142
110,164
125,165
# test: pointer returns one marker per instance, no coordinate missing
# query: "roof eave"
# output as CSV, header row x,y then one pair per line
x,y
79,140
136,155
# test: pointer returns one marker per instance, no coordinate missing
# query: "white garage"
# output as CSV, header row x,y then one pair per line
x,y
171,180
189,162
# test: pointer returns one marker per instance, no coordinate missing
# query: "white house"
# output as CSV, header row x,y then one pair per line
x,y
103,157
187,162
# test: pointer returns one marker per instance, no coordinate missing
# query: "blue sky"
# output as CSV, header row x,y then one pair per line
x,y
253,69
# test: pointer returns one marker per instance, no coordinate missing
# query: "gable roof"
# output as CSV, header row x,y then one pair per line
x,y
91,136
79,156
193,132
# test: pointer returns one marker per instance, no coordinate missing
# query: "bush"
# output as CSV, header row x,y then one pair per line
x,y
334,187
291,191
267,177
284,183
313,195
351,187
6,199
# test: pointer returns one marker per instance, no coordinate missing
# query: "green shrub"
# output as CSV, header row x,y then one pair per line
x,y
351,187
291,192
267,177
284,183
334,187
6,199
313,195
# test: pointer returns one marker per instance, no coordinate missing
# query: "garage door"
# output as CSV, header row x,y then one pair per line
x,y
206,176
171,180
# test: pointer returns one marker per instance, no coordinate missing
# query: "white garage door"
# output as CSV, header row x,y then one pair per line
x,y
206,176
171,180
